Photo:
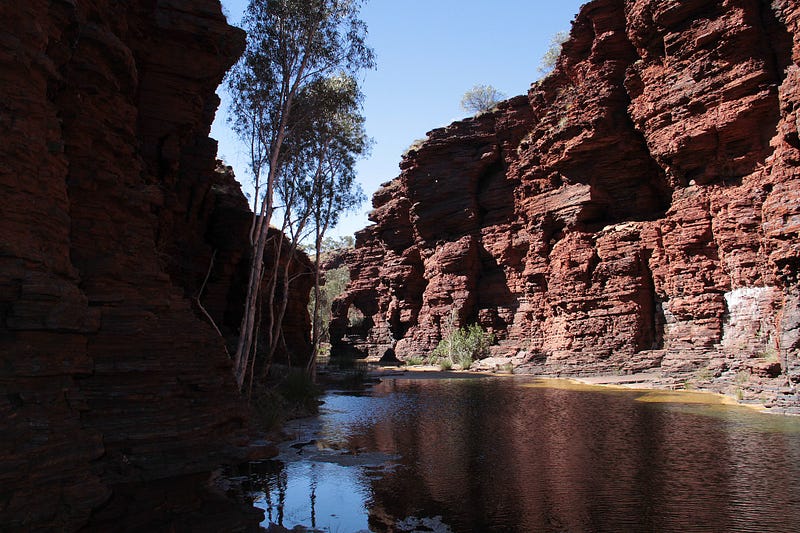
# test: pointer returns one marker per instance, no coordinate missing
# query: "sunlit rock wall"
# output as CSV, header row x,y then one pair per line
x,y
638,209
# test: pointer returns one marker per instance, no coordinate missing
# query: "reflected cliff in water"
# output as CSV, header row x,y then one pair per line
x,y
502,455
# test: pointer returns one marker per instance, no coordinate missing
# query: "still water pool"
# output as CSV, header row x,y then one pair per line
x,y
503,454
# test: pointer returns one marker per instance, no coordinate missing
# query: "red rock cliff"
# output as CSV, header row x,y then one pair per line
x,y
110,213
639,208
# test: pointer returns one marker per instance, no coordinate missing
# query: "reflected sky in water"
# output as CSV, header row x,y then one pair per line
x,y
499,455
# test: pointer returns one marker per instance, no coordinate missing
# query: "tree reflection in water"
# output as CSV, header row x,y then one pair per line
x,y
499,455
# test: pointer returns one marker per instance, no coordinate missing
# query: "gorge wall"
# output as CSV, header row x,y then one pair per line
x,y
112,211
637,209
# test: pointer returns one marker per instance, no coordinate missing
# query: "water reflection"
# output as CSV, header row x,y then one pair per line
x,y
495,455
314,494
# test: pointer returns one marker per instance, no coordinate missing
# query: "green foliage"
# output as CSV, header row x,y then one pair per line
x,y
550,57
269,409
296,105
291,394
507,368
298,387
481,98
769,354
415,360
291,44
356,318
329,246
335,283
463,346
445,364
336,244
742,377
327,137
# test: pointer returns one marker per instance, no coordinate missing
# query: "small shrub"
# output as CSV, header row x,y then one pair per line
x,y
739,394
356,319
299,388
550,57
288,394
445,363
508,368
742,377
704,374
269,409
770,354
481,98
324,350
465,345
415,360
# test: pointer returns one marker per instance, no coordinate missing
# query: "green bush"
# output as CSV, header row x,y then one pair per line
x,y
481,98
299,388
463,346
334,283
415,360
742,377
356,318
287,394
269,409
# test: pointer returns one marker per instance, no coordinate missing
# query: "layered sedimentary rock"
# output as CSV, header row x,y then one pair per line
x,y
110,213
220,258
637,209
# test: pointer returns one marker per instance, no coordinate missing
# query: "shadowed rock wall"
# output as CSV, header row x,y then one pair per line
x,y
110,212
637,209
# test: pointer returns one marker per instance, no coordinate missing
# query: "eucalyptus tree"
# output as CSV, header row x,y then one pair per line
x,y
290,44
318,184
338,143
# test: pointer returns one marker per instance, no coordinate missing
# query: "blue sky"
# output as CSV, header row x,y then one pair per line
x,y
429,52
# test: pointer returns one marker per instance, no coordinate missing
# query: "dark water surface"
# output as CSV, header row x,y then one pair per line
x,y
513,455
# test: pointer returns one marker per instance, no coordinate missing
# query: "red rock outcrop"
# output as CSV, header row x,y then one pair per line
x,y
110,212
637,209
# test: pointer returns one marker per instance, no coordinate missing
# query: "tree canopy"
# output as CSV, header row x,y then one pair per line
x,y
288,93
481,98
